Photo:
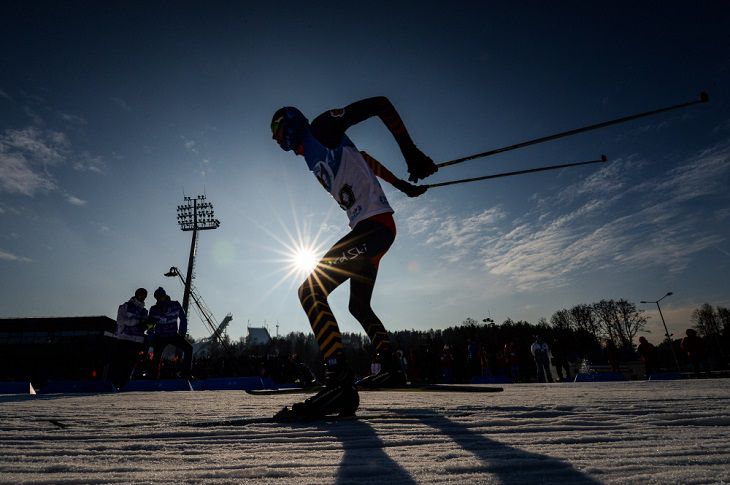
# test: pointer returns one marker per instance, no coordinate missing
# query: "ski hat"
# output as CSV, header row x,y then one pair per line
x,y
290,125
140,293
159,293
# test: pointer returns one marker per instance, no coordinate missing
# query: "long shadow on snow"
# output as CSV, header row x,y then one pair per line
x,y
511,465
364,459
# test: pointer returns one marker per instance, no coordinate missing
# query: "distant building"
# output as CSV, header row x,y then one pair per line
x,y
258,336
39,349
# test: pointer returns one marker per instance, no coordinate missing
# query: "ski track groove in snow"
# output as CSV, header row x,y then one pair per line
x,y
586,433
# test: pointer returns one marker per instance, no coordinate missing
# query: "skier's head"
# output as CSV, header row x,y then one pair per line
x,y
288,127
140,294
159,293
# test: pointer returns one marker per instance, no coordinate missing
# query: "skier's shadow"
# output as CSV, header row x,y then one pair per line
x,y
511,465
365,458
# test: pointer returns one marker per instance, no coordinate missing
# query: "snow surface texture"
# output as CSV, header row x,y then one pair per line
x,y
629,432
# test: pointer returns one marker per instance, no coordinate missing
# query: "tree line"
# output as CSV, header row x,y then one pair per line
x,y
581,333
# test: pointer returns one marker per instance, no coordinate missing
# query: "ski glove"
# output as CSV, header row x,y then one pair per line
x,y
409,189
419,164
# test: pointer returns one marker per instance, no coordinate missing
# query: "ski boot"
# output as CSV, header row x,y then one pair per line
x,y
390,374
339,396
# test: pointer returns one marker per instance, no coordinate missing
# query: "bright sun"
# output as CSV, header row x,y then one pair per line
x,y
298,250
304,260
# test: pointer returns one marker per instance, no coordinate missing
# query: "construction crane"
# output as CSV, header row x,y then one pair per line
x,y
205,315
201,347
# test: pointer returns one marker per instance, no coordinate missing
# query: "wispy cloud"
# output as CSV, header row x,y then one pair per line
x,y
190,144
29,156
704,174
75,200
603,221
197,145
7,209
461,237
88,163
26,155
5,95
722,127
72,119
121,103
6,256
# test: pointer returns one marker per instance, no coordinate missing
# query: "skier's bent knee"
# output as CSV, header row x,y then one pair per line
x,y
361,312
310,292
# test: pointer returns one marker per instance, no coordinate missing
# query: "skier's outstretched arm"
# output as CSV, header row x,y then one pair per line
x,y
380,171
419,165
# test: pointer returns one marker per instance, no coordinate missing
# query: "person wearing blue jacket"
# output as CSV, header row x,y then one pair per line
x,y
170,328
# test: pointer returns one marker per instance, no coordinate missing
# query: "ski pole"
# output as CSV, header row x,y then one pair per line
x,y
518,172
702,99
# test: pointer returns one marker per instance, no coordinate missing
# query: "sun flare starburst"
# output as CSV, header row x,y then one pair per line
x,y
297,247
302,260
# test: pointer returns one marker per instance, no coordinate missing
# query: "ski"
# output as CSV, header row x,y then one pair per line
x,y
407,388
324,419
436,388
285,390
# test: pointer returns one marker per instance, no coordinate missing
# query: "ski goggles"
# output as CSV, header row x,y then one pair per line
x,y
276,124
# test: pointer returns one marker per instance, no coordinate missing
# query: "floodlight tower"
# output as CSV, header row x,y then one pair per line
x,y
194,215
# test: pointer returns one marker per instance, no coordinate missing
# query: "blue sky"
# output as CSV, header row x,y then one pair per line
x,y
111,112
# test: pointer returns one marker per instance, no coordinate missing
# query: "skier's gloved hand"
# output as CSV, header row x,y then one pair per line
x,y
419,164
409,189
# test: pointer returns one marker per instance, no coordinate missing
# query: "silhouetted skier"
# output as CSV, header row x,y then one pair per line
x,y
350,177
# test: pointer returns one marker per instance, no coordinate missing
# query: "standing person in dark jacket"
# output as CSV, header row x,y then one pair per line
x,y
130,333
512,360
694,347
447,365
611,353
165,315
560,358
647,352
472,359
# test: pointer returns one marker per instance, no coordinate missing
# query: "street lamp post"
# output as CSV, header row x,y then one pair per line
x,y
666,330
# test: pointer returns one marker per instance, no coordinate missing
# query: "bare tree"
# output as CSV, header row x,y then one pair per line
x,y
469,322
561,320
723,314
584,319
706,321
618,321
630,321
606,318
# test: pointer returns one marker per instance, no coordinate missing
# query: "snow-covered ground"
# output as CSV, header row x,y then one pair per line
x,y
630,432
